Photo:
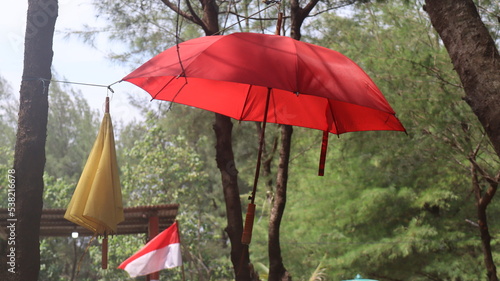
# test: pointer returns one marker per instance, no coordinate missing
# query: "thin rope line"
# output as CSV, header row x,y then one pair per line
x,y
177,33
227,14
177,48
80,83
71,82
245,18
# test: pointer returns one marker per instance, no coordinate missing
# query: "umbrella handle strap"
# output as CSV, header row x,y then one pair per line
x,y
322,157
246,238
104,261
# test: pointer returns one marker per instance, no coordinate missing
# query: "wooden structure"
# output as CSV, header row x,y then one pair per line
x,y
137,220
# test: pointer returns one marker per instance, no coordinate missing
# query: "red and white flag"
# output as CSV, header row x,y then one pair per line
x,y
163,251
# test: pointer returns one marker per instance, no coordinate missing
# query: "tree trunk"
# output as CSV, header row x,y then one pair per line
x,y
240,257
298,15
225,162
482,202
277,270
474,56
29,158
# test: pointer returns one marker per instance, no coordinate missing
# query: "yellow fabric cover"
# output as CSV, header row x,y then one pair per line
x,y
97,201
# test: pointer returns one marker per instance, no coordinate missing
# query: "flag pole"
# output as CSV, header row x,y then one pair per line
x,y
154,229
180,243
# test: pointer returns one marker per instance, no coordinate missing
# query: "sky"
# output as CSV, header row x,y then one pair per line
x,y
73,59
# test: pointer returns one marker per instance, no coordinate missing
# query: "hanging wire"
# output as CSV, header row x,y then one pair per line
x,y
268,2
246,18
177,36
261,24
44,80
227,15
237,15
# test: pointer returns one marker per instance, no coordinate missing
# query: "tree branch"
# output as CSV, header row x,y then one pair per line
x,y
493,181
307,9
197,20
191,17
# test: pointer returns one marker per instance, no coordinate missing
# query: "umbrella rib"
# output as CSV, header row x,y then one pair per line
x,y
160,90
332,111
245,102
179,91
297,68
164,86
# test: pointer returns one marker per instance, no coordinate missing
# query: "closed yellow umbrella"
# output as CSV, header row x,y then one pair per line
x,y
97,201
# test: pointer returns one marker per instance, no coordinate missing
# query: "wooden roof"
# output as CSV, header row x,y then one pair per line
x,y
53,222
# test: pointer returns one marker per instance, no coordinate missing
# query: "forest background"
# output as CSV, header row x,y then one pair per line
x,y
391,206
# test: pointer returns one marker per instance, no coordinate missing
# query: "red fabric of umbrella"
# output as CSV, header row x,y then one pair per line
x,y
311,86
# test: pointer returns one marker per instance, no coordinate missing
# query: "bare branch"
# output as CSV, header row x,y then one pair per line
x,y
434,71
254,18
493,181
197,20
307,9
332,8
191,17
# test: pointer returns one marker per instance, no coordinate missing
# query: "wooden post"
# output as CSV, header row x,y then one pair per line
x,y
104,252
180,242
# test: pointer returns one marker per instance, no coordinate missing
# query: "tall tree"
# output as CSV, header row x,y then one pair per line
x,y
209,22
29,158
476,59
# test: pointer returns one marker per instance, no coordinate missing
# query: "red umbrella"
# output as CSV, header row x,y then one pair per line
x,y
310,86
245,75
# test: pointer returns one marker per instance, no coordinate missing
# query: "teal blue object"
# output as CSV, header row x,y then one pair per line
x,y
359,278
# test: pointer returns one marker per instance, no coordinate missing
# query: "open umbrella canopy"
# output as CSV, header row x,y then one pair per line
x,y
309,86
